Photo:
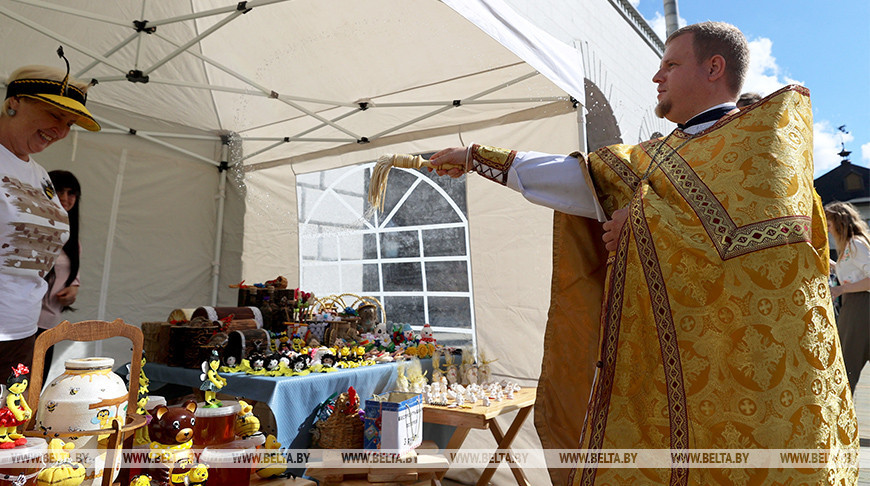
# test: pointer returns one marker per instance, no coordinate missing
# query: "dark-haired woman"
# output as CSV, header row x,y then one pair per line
x,y
63,279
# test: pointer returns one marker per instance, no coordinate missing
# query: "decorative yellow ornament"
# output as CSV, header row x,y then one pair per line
x,y
247,424
61,471
141,480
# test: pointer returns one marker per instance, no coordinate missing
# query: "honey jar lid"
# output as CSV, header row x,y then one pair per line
x,y
231,452
32,452
229,407
89,363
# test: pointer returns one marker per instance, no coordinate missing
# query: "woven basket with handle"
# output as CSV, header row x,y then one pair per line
x,y
340,430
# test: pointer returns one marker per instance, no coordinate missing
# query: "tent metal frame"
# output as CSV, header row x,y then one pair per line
x,y
234,11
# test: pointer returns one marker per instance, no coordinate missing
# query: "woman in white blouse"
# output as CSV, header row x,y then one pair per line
x,y
852,268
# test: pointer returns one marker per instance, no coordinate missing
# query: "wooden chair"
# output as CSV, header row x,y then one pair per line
x,y
87,331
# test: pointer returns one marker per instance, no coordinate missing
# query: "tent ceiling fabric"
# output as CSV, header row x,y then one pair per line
x,y
300,69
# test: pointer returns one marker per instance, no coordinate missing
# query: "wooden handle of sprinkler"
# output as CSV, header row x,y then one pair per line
x,y
442,166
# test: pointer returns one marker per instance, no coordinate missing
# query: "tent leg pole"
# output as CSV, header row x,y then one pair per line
x,y
219,226
581,128
110,243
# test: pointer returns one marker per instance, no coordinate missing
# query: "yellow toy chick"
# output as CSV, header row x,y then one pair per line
x,y
273,462
61,471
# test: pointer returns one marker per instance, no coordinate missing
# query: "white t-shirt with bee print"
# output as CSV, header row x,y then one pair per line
x,y
33,230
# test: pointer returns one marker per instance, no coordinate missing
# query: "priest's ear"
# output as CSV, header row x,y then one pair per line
x,y
715,68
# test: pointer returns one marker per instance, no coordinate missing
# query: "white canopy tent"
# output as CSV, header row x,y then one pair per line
x,y
297,81
196,97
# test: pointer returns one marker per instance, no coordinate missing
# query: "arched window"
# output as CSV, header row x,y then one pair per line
x,y
414,256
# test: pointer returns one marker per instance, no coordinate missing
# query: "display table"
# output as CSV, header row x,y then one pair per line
x,y
292,399
427,465
480,417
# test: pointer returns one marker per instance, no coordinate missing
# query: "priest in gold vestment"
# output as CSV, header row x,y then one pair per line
x,y
712,325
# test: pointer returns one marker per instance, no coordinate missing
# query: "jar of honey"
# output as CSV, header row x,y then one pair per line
x,y
214,426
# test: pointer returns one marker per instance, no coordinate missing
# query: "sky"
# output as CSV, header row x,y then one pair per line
x,y
823,45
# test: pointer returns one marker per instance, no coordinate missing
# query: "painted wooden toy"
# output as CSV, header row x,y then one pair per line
x,y
16,411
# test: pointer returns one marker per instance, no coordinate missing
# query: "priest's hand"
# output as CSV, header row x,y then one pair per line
x,y
457,156
613,227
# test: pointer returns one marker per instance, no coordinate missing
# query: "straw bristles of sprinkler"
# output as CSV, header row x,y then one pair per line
x,y
378,184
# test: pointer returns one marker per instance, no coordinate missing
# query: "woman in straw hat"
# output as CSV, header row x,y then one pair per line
x,y
40,107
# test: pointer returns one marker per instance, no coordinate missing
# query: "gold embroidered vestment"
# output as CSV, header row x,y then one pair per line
x,y
715,328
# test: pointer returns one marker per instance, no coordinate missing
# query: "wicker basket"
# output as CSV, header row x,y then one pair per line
x,y
339,430
344,329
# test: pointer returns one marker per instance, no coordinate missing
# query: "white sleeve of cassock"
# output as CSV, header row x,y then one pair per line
x,y
556,181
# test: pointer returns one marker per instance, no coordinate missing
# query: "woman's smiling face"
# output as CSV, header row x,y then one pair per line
x,y
35,126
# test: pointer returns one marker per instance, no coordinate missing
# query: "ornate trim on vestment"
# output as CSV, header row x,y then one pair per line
x,y
730,240
492,162
599,403
619,167
727,118
668,344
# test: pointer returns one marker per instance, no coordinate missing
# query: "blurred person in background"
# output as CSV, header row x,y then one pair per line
x,y
63,279
852,268
747,99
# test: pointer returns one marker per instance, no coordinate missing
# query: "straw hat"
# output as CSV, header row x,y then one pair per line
x,y
59,94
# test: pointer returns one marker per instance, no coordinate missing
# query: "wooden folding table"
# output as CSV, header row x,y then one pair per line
x,y
480,417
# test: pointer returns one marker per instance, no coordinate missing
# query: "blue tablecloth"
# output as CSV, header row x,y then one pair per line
x,y
293,399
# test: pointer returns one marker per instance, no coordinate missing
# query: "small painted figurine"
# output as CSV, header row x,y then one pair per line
x,y
178,473
16,410
188,473
144,382
198,476
211,380
426,334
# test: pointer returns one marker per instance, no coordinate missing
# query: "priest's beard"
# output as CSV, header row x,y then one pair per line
x,y
663,108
